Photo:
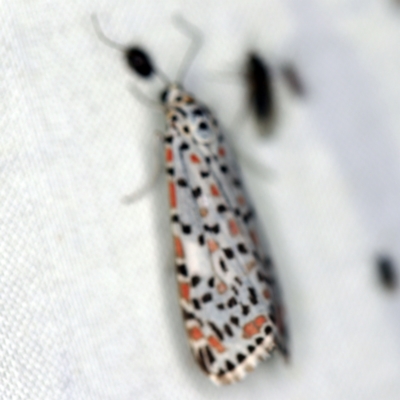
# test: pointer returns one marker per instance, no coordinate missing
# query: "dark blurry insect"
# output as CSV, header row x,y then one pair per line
x,y
260,91
229,294
292,79
386,271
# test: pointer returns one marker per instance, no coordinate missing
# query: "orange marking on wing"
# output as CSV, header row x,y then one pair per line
x,y
169,155
221,288
260,321
214,190
267,294
214,342
172,194
250,265
254,237
250,330
195,333
178,247
221,152
233,228
184,289
203,212
194,159
241,200
212,245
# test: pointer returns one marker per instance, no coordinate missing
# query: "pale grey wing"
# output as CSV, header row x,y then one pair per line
x,y
225,302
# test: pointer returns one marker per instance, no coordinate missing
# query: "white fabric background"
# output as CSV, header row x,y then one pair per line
x,y
88,304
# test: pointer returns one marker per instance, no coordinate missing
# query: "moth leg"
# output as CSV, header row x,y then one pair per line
x,y
142,98
138,193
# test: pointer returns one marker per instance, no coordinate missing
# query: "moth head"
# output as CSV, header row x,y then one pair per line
x,y
173,95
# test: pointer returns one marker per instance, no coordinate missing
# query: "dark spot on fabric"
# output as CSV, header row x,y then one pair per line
x,y
208,160
174,118
186,129
168,139
224,169
205,174
235,320
171,171
386,271
211,282
221,306
221,372
240,357
237,212
175,218
251,349
178,99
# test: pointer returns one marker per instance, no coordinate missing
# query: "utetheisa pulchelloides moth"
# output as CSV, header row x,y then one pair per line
x,y
230,298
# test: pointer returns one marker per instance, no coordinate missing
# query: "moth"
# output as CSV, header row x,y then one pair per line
x,y
230,298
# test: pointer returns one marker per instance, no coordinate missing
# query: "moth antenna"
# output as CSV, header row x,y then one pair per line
x,y
137,59
102,36
196,37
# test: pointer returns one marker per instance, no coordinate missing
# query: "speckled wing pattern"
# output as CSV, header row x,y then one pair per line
x,y
228,291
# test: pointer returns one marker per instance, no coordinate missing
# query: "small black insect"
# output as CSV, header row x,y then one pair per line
x,y
386,271
292,79
261,96
139,61
137,58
